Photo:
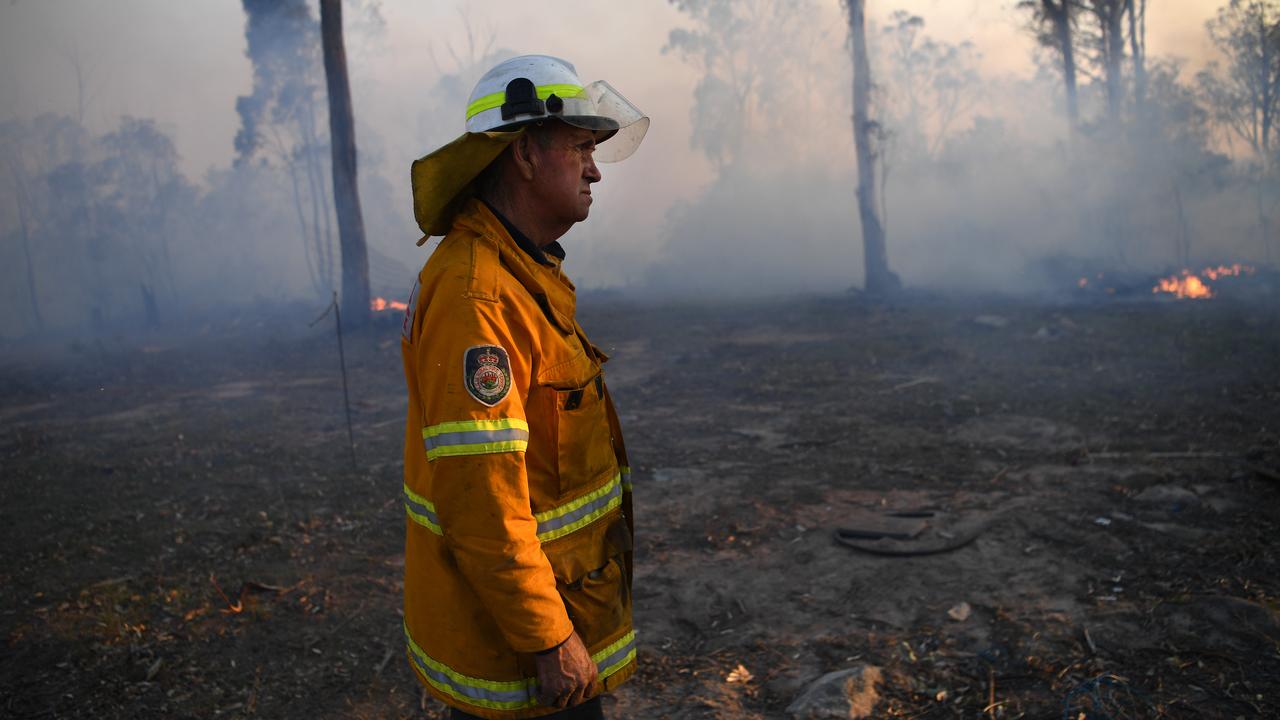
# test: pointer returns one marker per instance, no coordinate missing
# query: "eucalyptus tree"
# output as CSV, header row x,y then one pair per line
x,y
1053,22
868,139
1244,90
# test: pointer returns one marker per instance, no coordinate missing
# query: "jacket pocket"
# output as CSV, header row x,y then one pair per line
x,y
584,446
599,603
591,579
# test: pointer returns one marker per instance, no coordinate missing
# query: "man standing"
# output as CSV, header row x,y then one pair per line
x,y
518,540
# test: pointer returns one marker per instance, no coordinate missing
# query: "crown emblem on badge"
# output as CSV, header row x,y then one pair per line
x,y
487,373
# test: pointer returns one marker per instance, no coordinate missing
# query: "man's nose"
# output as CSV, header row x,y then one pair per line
x,y
590,172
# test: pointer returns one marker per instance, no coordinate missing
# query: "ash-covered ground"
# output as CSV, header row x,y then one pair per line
x,y
185,535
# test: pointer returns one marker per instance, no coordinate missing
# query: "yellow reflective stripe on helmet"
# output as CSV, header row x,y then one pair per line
x,y
493,100
475,437
507,694
492,694
421,511
579,512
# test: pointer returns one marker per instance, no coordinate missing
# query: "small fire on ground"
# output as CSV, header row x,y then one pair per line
x,y
1189,285
380,304
1185,285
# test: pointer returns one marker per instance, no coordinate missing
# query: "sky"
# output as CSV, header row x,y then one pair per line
x,y
183,64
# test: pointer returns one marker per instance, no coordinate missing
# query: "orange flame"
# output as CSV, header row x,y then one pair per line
x,y
1235,270
1184,286
1188,285
379,304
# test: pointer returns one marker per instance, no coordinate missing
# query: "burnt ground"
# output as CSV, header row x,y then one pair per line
x,y
185,537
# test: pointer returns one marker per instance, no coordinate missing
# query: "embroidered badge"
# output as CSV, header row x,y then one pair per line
x,y
487,373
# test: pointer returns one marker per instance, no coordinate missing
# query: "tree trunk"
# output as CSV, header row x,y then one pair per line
x,y
323,239
1138,49
22,199
1060,16
314,273
1268,87
1184,232
314,189
150,310
342,141
1110,17
1264,223
880,280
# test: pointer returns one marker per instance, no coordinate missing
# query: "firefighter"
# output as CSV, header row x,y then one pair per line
x,y
518,565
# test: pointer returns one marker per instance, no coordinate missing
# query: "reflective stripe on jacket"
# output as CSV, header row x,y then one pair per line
x,y
518,512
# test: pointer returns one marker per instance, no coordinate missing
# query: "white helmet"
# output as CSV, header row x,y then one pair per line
x,y
534,88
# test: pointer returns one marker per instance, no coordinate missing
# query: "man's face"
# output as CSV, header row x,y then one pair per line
x,y
565,171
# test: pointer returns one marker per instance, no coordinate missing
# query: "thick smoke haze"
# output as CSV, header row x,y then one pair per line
x,y
122,184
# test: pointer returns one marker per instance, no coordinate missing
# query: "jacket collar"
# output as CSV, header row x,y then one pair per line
x,y
542,255
551,290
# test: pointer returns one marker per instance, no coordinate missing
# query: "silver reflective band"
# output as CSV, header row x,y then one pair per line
x,y
475,437
421,511
619,654
581,512
499,695
508,694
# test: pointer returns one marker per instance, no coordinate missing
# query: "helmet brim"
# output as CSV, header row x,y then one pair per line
x,y
445,179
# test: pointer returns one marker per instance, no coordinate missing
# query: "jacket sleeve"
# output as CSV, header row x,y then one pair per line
x,y
474,373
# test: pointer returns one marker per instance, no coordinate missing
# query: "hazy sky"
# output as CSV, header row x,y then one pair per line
x,y
183,63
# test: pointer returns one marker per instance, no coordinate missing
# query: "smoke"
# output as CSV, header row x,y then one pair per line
x,y
985,187
137,192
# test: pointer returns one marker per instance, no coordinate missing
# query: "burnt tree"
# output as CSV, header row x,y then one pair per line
x,y
23,202
1052,23
1109,16
880,280
1138,49
342,141
281,115
1244,92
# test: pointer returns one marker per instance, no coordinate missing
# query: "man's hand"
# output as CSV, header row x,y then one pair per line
x,y
566,675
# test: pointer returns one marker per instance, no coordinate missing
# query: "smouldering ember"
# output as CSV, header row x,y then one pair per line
x,y
1189,285
1084,283
1235,270
379,304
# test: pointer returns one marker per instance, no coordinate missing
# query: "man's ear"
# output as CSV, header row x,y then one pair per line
x,y
523,156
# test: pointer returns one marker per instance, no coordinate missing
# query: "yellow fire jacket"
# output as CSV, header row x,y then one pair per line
x,y
516,488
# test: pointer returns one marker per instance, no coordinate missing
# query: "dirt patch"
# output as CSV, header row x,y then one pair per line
x,y
186,535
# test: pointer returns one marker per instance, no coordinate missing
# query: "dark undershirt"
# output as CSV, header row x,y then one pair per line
x,y
554,249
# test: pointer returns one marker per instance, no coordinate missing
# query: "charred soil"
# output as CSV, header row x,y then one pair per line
x,y
185,534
